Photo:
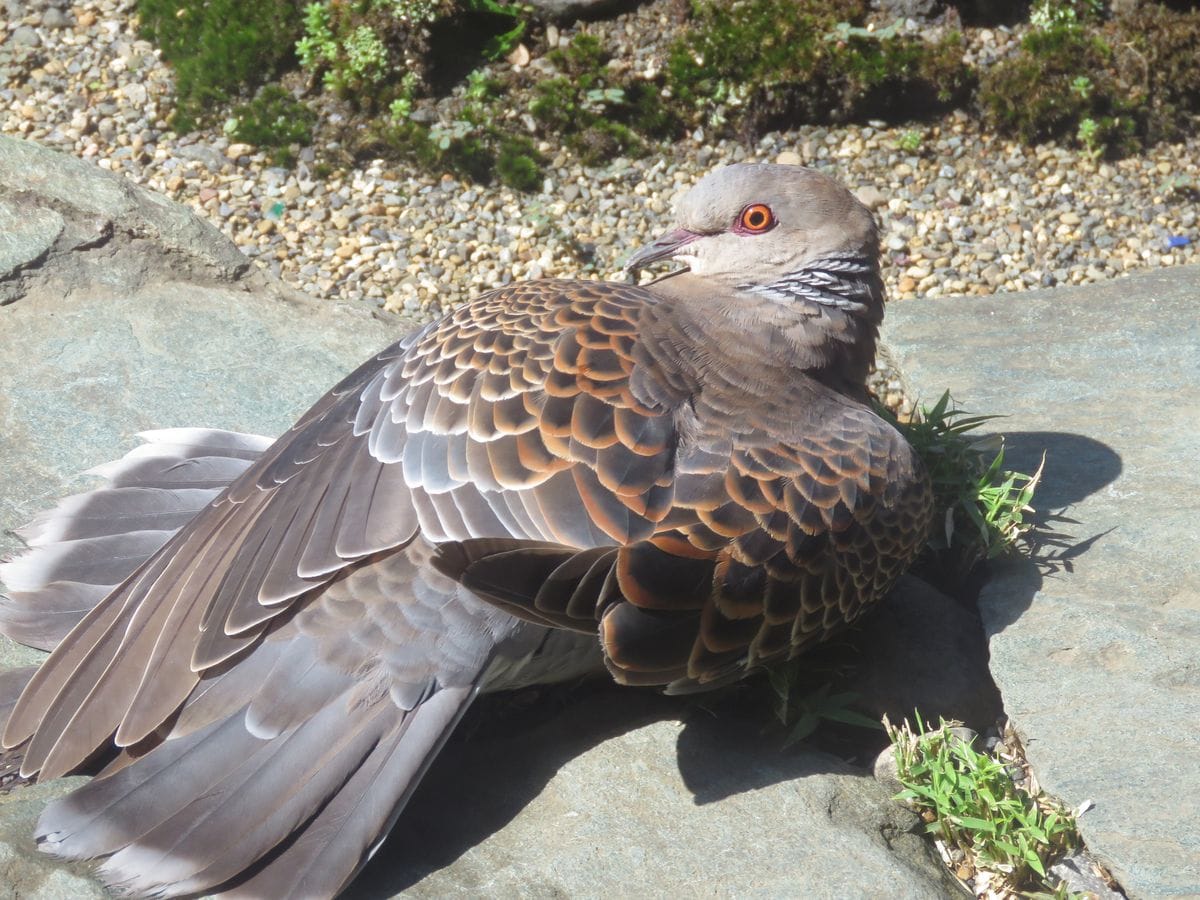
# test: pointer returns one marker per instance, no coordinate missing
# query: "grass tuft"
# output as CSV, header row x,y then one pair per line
x,y
984,508
974,808
801,709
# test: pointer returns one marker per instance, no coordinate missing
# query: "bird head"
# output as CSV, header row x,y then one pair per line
x,y
785,252
787,233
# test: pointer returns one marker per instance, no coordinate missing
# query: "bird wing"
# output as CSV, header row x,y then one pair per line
x,y
302,753
571,476
787,520
511,419
303,750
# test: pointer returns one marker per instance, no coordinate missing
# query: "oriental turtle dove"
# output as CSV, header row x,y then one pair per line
x,y
262,644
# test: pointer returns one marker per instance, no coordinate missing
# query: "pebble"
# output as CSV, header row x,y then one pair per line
x,y
964,213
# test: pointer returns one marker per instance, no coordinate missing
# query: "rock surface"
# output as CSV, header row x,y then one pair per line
x,y
1094,646
922,650
615,796
125,314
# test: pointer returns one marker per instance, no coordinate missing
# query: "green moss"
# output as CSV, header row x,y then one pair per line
x,y
470,147
517,164
1157,55
1109,88
756,65
582,58
554,103
1062,78
596,112
219,48
273,120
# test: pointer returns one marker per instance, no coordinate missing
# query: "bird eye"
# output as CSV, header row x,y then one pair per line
x,y
756,218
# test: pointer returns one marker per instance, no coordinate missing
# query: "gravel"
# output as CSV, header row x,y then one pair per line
x,y
963,213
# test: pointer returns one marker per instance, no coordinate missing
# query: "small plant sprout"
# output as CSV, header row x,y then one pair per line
x,y
1047,14
366,54
318,44
415,11
1082,85
910,141
1088,136
401,107
973,807
843,31
479,87
598,98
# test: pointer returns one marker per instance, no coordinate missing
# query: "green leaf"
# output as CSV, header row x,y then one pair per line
x,y
975,824
804,727
850,717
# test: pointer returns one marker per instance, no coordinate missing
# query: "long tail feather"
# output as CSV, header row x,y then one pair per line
x,y
89,543
200,810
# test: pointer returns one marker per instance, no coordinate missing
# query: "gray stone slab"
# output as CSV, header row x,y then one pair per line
x,y
26,236
629,794
80,376
118,327
1096,647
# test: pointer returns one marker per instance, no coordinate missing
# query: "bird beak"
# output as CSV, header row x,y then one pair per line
x,y
665,247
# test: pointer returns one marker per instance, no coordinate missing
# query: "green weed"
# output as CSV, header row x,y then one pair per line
x,y
910,141
970,802
984,508
801,708
1046,14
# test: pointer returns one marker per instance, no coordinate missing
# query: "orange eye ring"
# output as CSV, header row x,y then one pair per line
x,y
756,219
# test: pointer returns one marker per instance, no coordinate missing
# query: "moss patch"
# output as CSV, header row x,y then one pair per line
x,y
478,143
1157,52
755,65
1109,88
599,112
1062,79
219,48
275,121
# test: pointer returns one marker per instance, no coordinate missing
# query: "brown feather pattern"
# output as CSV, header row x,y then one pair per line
x,y
570,412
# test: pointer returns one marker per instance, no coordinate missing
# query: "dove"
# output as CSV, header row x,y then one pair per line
x,y
260,645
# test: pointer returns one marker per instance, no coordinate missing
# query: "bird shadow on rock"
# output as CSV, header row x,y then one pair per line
x,y
734,751
1076,466
512,745
503,754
